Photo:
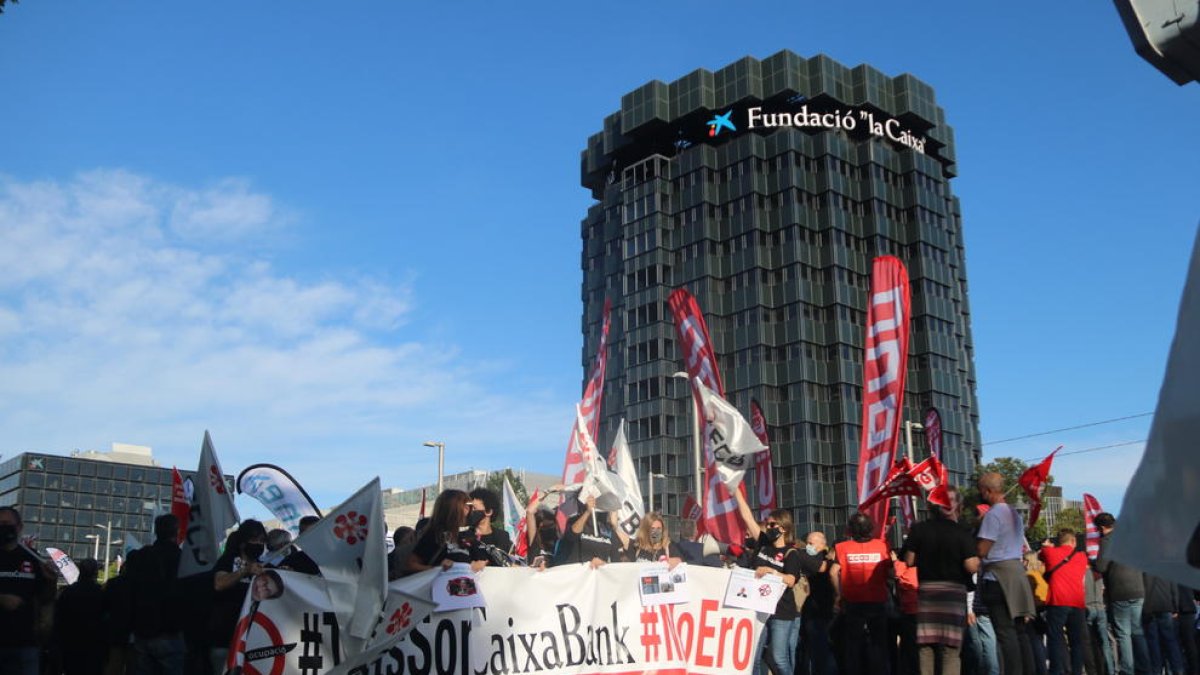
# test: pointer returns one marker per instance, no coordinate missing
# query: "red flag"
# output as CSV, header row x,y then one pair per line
x,y
522,545
1031,482
884,372
691,509
982,509
1091,508
421,514
721,518
179,504
930,474
933,432
764,477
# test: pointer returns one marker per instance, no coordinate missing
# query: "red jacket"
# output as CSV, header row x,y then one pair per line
x,y
1066,582
864,570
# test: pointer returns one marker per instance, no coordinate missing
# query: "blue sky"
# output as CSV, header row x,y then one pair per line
x,y
328,233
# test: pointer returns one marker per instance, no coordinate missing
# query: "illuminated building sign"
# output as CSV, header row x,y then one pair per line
x,y
849,119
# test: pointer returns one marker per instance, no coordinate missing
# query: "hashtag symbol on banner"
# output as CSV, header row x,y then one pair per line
x,y
310,660
650,637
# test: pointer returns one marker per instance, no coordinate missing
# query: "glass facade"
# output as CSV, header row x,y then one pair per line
x,y
773,229
62,500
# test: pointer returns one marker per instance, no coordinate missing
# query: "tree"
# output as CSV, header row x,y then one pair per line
x,y
495,483
1070,518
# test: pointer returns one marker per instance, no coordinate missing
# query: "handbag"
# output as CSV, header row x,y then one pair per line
x,y
800,589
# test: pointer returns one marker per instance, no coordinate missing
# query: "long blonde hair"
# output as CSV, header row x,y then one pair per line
x,y
643,533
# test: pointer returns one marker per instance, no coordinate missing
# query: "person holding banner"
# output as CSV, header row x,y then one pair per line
x,y
446,539
487,502
776,555
597,542
541,533
233,573
652,543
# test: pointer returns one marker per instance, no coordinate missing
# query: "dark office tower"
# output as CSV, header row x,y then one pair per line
x,y
766,188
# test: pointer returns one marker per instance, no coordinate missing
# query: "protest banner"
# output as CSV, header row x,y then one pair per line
x,y
574,620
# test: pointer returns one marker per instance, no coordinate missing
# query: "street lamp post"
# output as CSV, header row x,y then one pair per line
x,y
107,527
441,448
96,546
652,477
696,453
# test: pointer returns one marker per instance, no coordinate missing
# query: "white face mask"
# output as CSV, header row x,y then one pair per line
x,y
810,549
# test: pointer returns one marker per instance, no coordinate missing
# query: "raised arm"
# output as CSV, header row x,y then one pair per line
x,y
752,528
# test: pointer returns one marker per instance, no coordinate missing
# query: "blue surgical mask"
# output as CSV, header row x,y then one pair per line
x,y
810,549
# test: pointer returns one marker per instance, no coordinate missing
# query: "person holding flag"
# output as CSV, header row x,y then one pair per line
x,y
778,556
234,570
593,537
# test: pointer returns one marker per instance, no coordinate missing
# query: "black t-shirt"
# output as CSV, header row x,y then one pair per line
x,y
79,619
820,586
21,574
787,561
499,539
584,546
431,549
154,595
656,555
227,604
941,546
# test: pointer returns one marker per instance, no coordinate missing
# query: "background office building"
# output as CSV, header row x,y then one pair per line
x,y
70,503
767,188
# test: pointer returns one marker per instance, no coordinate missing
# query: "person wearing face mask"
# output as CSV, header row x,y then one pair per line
x,y
25,582
776,556
817,612
652,543
447,537
233,572
541,533
597,544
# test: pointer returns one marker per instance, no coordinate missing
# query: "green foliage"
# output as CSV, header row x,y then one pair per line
x,y
1072,518
495,483
1011,469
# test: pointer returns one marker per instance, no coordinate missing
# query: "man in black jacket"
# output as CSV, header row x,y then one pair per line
x,y
79,623
1124,593
155,602
1158,623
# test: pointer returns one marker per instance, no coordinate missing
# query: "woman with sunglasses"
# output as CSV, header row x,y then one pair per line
x,y
778,556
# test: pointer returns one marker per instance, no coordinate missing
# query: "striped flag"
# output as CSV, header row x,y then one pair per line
x,y
1091,507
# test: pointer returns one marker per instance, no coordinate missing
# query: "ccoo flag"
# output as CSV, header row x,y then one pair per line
x,y
728,437
279,492
211,514
884,372
630,515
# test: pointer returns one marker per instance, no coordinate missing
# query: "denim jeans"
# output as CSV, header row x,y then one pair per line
x,y
1097,620
1125,616
1162,642
19,661
785,637
158,656
1073,619
979,648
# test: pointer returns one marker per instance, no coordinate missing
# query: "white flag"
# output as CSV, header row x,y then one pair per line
x,y
599,482
348,544
513,513
66,566
729,438
211,515
630,515
1159,529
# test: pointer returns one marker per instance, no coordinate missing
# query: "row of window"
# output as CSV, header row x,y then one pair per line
x,y
803,163
87,500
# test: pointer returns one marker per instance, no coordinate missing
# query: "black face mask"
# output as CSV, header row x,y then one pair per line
x,y
475,518
772,534
252,550
548,533
8,534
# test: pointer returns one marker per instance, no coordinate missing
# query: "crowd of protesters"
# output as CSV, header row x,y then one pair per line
x,y
954,598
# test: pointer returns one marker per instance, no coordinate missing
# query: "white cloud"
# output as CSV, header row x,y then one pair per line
x,y
127,314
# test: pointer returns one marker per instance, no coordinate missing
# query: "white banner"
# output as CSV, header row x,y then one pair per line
x,y
1159,528
573,620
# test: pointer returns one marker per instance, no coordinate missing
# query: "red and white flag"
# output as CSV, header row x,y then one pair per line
x,y
898,483
1031,482
764,476
930,474
1091,508
692,509
211,514
721,519
521,547
884,373
179,503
